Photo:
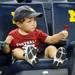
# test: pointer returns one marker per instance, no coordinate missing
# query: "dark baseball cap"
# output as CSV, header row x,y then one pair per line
x,y
25,11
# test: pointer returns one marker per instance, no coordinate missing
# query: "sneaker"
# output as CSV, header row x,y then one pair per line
x,y
31,55
60,56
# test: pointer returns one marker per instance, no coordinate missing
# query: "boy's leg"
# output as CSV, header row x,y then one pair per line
x,y
58,55
50,52
28,55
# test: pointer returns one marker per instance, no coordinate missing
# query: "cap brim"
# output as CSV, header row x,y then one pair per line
x,y
35,14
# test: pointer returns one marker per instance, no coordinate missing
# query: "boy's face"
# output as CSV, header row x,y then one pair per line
x,y
28,25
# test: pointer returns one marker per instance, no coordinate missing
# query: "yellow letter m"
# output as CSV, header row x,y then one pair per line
x,y
72,15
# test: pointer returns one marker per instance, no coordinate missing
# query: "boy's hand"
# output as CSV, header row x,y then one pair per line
x,y
64,33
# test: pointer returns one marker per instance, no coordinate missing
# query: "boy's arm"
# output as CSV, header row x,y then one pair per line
x,y
56,37
6,48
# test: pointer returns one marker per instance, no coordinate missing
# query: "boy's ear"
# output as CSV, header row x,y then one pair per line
x,y
18,24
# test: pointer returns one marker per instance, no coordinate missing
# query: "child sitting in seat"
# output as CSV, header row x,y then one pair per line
x,y
23,41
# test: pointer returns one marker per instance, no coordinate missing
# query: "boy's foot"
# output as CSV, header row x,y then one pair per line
x,y
31,55
60,56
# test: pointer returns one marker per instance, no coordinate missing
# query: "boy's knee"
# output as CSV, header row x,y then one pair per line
x,y
18,53
50,51
49,48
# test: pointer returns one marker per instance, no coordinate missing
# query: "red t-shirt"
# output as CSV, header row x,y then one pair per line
x,y
31,39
